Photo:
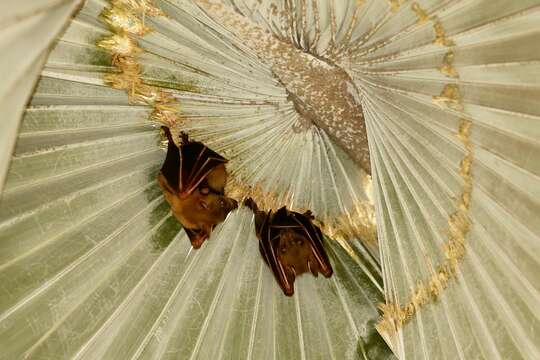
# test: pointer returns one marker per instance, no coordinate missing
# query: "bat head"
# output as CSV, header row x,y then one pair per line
x,y
296,253
198,211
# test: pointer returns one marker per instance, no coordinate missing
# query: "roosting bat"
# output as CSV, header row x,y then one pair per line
x,y
193,179
290,244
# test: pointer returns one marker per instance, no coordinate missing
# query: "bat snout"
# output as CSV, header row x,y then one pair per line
x,y
228,204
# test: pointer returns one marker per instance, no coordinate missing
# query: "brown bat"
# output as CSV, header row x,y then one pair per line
x,y
290,244
193,179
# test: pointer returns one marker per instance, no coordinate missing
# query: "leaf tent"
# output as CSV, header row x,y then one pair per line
x,y
409,128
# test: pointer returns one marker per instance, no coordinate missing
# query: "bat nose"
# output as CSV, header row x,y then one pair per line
x,y
228,204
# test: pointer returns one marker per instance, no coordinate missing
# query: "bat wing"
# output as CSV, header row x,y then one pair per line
x,y
315,237
186,167
172,162
196,162
262,231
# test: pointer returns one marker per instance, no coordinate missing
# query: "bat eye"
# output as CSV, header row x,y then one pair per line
x,y
204,191
283,249
203,205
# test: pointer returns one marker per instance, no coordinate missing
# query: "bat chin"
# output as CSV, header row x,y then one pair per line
x,y
197,243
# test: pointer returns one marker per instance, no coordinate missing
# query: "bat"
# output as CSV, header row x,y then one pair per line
x,y
290,244
192,180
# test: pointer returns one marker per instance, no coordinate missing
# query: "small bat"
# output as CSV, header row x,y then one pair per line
x,y
193,179
290,244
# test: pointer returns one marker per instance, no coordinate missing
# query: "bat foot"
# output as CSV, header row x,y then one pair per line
x,y
309,215
184,138
251,204
167,132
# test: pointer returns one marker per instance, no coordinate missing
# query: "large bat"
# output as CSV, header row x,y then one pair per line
x,y
193,179
290,244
